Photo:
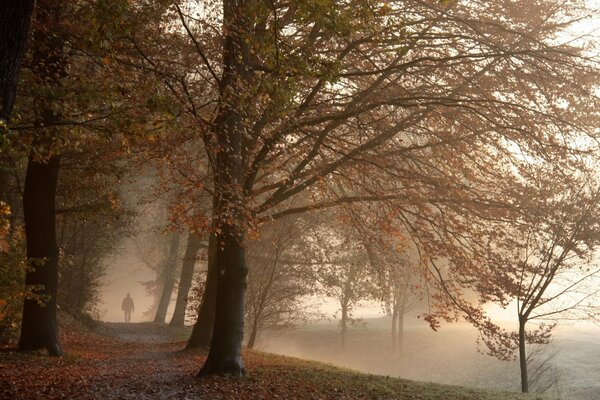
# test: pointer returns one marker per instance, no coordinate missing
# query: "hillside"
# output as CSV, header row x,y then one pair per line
x,y
144,361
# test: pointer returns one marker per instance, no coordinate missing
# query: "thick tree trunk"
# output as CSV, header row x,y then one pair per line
x,y
39,326
203,328
230,214
523,358
185,281
15,20
225,356
169,280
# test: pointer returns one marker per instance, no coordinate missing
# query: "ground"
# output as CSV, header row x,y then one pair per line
x,y
145,361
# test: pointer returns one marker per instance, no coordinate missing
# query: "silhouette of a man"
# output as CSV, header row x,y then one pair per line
x,y
127,307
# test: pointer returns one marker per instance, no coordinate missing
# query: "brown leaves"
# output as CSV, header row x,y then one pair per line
x,y
103,367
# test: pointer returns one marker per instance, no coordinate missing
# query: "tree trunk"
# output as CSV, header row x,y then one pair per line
x,y
344,325
523,358
253,332
394,337
225,356
203,328
15,20
39,327
230,214
169,281
185,281
401,332
402,310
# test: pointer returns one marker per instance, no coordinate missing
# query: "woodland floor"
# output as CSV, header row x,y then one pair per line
x,y
145,361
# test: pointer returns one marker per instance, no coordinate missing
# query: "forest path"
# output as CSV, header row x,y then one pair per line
x,y
145,332
112,361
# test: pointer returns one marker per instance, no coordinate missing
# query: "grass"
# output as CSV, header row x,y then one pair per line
x,y
326,381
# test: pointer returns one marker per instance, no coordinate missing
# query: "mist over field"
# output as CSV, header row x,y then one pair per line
x,y
447,356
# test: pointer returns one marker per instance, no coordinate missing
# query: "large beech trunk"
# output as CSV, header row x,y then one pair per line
x,y
229,213
185,281
202,331
168,280
228,259
15,20
39,327
523,358
224,356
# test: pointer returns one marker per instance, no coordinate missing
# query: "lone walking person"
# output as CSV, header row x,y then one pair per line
x,y
127,307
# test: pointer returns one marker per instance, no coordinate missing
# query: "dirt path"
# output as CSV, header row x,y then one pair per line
x,y
142,332
126,361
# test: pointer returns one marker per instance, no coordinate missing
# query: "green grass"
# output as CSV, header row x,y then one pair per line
x,y
335,382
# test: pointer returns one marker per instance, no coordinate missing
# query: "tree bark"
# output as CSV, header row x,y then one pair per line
x,y
230,214
523,357
39,327
224,356
185,281
202,331
15,21
227,261
169,280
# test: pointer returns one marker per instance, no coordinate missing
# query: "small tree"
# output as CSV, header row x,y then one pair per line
x,y
545,264
553,269
278,277
342,270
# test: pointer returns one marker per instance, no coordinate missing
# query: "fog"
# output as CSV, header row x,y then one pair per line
x,y
126,274
448,356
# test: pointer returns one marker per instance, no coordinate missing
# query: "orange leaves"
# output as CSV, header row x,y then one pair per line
x,y
4,226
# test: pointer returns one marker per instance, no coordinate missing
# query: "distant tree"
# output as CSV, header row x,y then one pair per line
x,y
169,270
279,277
342,269
192,247
400,296
202,331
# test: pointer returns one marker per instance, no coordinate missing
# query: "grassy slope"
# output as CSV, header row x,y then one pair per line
x,y
325,381
100,366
